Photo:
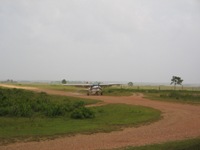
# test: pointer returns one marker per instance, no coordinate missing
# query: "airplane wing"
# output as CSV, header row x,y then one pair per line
x,y
109,84
79,85
89,85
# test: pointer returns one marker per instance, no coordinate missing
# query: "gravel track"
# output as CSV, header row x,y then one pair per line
x,y
180,121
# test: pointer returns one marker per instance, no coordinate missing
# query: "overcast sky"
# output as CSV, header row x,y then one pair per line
x,y
100,40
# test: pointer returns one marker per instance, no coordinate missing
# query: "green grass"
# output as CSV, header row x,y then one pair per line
x,y
181,96
22,103
108,118
186,94
191,97
58,87
191,144
116,91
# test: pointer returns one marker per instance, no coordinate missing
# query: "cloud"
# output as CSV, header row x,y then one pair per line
x,y
100,40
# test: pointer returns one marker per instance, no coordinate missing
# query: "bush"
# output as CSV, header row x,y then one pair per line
x,y
53,110
82,113
21,103
78,104
21,110
4,111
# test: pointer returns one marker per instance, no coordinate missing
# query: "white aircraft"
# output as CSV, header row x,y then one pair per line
x,y
93,89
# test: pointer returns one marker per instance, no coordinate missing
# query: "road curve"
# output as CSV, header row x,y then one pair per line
x,y
180,121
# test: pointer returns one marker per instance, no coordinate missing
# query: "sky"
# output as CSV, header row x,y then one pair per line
x,y
100,40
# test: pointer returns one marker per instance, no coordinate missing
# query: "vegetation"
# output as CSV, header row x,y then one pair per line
x,y
57,87
183,96
63,81
166,93
21,103
176,80
107,118
29,115
82,113
192,144
118,91
130,84
192,97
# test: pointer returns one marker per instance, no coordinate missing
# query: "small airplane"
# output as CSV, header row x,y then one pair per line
x,y
93,89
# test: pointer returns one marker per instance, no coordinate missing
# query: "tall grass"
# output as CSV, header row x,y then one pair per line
x,y
58,87
187,96
192,97
21,103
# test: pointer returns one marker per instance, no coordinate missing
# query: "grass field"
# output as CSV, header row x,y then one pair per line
x,y
182,96
191,97
164,93
191,144
18,125
58,87
107,118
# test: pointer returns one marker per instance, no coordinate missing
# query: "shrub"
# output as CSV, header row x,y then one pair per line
x,y
82,113
4,111
78,104
21,110
53,110
77,114
21,103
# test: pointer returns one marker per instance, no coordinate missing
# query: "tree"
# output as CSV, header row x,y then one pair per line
x,y
64,81
130,84
176,80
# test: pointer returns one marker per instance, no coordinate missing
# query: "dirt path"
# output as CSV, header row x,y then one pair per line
x,y
180,121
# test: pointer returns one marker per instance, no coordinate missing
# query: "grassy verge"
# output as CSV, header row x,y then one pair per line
x,y
29,115
191,97
58,87
159,93
181,96
191,144
112,91
107,118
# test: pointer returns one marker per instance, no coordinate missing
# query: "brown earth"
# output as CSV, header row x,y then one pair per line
x,y
180,121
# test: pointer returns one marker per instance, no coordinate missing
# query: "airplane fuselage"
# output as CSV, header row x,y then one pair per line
x,y
95,90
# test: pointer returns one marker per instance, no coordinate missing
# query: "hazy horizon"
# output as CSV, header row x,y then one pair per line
x,y
93,81
86,40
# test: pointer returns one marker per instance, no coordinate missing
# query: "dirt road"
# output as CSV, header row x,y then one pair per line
x,y
180,121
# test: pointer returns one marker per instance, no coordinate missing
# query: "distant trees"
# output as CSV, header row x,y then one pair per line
x,y
176,80
130,84
9,81
64,81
